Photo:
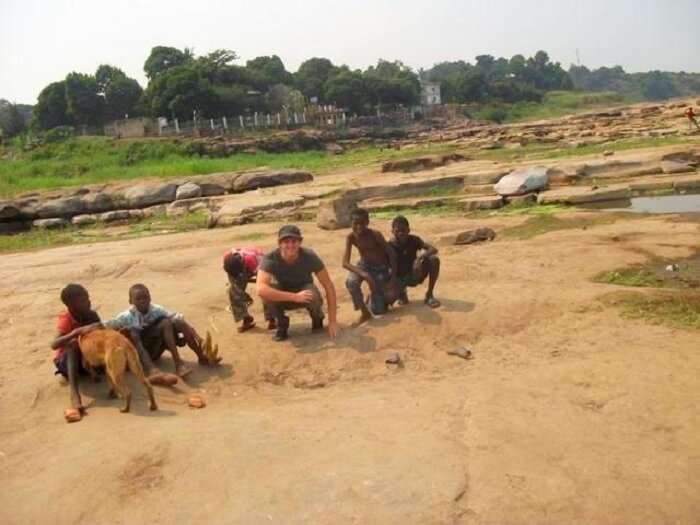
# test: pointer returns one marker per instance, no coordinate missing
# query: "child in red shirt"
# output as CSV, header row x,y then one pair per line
x,y
241,267
79,318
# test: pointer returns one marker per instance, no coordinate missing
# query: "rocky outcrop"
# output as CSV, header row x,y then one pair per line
x,y
523,180
421,163
143,195
477,235
335,214
255,180
189,190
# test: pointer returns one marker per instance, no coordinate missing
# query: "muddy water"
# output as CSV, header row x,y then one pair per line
x,y
659,204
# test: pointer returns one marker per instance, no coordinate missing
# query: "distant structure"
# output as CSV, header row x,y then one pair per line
x,y
430,93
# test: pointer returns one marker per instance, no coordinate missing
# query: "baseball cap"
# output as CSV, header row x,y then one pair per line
x,y
289,230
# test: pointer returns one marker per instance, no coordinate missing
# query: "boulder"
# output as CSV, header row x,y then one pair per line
x,y
489,202
65,207
406,189
50,224
9,211
688,183
266,179
421,163
334,214
143,195
189,190
674,166
210,189
98,202
334,148
523,180
84,220
116,215
477,235
583,195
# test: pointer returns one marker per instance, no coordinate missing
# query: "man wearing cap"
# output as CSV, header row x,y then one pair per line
x,y
285,282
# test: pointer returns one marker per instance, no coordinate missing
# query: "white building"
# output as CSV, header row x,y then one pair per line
x,y
429,93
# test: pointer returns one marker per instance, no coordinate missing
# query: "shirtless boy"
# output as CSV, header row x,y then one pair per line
x,y
377,265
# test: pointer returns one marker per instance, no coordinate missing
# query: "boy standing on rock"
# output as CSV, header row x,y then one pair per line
x,y
412,269
377,265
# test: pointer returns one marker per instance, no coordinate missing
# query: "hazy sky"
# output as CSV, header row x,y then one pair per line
x,y
41,41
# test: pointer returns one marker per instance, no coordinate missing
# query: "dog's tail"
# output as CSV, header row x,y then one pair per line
x,y
132,358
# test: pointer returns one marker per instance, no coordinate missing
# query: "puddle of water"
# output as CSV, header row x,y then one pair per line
x,y
660,204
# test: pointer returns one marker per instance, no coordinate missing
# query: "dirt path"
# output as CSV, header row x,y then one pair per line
x,y
567,413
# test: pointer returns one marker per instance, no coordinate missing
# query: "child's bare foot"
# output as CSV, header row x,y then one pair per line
x,y
158,378
248,323
364,317
72,415
182,370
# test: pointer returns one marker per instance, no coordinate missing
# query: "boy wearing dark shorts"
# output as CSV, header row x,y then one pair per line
x,y
412,269
153,329
377,265
78,319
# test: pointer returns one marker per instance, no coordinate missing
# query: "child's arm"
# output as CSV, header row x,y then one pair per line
x,y
346,260
429,250
390,253
62,339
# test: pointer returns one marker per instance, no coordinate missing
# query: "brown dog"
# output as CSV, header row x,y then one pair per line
x,y
112,350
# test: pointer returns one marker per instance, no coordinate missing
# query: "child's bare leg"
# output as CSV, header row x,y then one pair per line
x,y
73,362
154,375
168,332
433,267
192,338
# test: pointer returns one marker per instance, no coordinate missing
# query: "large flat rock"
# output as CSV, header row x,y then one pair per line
x,y
583,195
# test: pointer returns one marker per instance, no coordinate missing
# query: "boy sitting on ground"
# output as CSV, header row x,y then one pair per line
x,y
377,265
241,267
412,269
153,329
79,318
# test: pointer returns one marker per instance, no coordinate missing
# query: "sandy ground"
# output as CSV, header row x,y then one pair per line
x,y
567,413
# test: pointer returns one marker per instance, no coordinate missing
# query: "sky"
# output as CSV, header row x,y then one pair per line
x,y
42,41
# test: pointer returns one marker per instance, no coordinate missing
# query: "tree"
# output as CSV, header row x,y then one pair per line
x,y
106,74
83,103
179,92
347,89
122,96
266,71
658,86
11,119
312,75
216,64
163,58
51,108
392,83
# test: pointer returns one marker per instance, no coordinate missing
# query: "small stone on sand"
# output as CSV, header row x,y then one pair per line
x,y
462,352
393,359
196,401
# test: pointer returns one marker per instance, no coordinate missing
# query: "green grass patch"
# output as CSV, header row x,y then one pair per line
x,y
554,104
540,224
629,277
436,210
677,310
158,225
93,160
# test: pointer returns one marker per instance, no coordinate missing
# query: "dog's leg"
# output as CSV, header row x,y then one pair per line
x,y
117,378
112,388
135,366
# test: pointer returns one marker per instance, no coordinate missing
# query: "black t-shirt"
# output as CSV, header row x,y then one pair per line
x,y
406,254
292,277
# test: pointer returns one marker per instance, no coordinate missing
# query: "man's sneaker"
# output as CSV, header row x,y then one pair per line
x,y
282,329
316,324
